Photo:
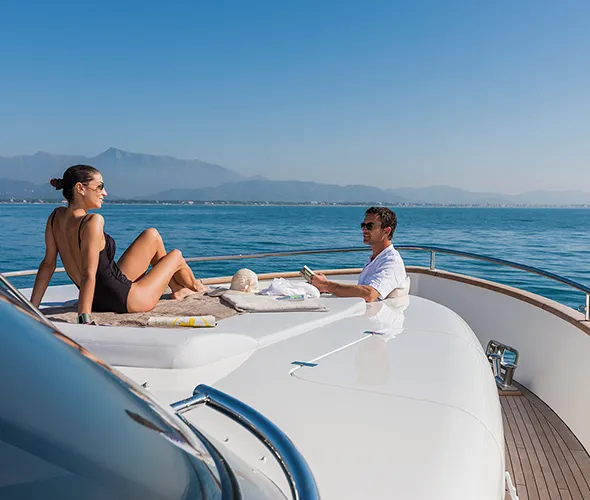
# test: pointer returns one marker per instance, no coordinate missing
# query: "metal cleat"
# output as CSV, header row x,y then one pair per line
x,y
504,360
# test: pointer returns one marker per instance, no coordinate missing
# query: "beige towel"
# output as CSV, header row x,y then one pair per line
x,y
193,305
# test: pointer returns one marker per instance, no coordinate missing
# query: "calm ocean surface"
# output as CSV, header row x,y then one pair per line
x,y
555,240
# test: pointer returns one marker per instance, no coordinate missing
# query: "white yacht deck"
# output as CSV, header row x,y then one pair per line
x,y
426,370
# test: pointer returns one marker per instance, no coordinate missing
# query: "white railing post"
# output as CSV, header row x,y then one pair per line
x,y
432,253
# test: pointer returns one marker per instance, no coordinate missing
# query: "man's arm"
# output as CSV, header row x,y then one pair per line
x,y
340,290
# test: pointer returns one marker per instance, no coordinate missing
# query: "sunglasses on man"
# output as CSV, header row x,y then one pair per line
x,y
367,225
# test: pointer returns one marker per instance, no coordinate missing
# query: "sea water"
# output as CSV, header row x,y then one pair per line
x,y
555,240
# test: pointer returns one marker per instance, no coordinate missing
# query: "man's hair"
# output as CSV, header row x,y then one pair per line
x,y
386,216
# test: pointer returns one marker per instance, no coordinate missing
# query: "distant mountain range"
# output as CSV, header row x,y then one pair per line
x,y
280,191
127,174
10,188
148,177
307,192
445,195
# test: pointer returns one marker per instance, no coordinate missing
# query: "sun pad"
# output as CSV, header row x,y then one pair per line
x,y
249,302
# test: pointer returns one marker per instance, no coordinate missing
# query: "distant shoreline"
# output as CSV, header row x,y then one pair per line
x,y
37,201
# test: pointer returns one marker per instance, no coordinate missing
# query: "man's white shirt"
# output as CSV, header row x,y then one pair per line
x,y
385,273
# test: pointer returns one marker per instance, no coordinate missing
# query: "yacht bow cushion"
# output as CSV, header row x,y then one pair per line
x,y
249,302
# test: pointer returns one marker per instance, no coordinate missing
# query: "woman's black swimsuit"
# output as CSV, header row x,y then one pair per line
x,y
112,286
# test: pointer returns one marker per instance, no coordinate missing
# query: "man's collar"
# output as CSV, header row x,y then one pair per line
x,y
375,255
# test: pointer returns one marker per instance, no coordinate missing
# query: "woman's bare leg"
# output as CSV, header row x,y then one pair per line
x,y
148,249
185,277
146,291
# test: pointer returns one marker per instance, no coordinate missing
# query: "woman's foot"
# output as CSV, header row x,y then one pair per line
x,y
199,287
182,293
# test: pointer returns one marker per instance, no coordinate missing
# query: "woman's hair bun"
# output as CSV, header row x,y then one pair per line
x,y
57,183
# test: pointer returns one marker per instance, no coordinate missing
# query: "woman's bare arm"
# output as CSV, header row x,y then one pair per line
x,y
92,236
46,267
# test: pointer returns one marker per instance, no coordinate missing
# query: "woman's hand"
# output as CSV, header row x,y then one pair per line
x,y
84,319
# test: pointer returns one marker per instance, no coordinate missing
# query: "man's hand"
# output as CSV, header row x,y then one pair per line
x,y
320,282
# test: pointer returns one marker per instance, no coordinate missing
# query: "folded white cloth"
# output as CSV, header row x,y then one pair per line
x,y
281,286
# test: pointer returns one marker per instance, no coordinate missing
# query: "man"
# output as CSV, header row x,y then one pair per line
x,y
385,270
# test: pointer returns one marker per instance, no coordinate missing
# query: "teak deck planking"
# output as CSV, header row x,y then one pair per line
x,y
543,457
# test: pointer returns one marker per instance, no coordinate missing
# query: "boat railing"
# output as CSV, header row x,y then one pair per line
x,y
421,248
299,475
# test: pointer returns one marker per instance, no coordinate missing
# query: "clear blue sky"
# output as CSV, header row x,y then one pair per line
x,y
480,95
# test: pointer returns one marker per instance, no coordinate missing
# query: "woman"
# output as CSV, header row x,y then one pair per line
x,y
88,253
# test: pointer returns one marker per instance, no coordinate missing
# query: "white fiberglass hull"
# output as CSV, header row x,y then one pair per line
x,y
410,413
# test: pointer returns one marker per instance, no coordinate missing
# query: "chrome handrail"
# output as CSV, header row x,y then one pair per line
x,y
503,262
515,265
299,476
28,272
286,253
432,249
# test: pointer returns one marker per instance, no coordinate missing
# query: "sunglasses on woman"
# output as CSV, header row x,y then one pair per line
x,y
99,187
